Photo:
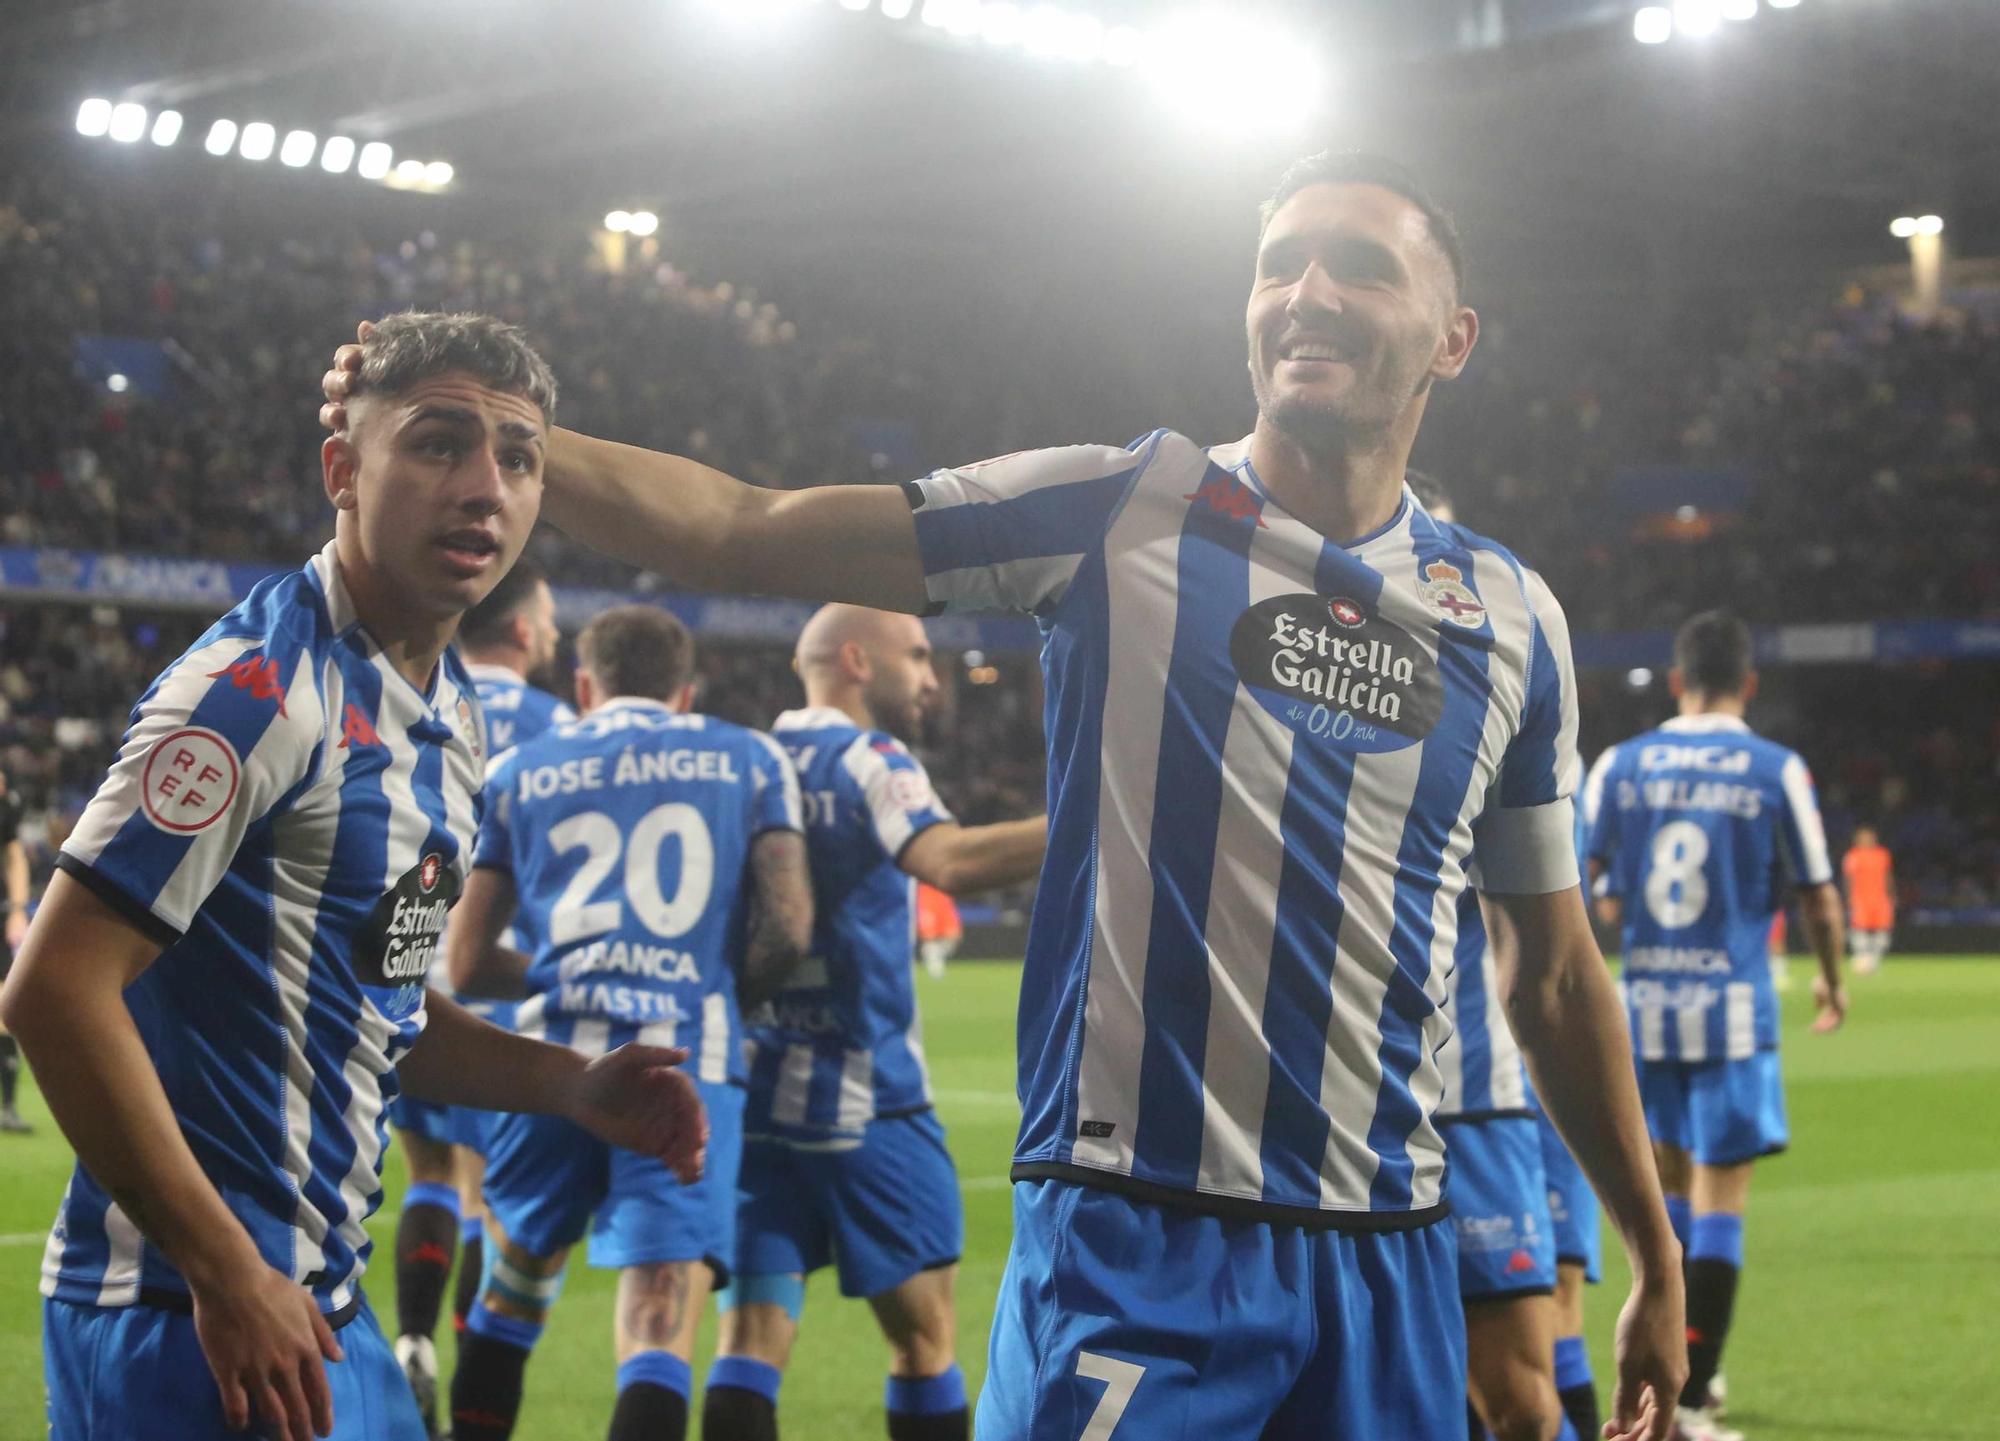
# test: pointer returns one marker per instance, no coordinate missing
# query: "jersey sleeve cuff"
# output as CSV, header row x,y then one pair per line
x,y
1526,850
140,916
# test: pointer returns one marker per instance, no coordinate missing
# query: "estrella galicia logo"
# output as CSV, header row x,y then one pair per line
x,y
1335,671
398,943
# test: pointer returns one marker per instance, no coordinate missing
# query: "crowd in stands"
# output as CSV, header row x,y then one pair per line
x,y
1866,466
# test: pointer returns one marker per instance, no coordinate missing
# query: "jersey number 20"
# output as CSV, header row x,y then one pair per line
x,y
576,916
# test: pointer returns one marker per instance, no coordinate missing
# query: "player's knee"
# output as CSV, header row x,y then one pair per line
x,y
1525,1409
659,1304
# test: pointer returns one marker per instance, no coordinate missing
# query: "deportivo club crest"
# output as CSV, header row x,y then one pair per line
x,y
1444,590
1345,612
427,873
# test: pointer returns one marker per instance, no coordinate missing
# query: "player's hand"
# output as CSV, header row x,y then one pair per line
x,y
268,1345
17,929
338,383
639,1098
1831,1003
1652,1361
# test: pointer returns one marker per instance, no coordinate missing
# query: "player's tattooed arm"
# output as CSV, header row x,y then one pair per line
x,y
781,915
708,530
968,860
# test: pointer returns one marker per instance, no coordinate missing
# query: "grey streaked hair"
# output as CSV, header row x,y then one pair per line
x,y
416,345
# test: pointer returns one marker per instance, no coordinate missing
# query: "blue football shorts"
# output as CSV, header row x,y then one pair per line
x,y
549,1182
1722,1113
879,1213
1122,1320
115,1373
1499,1207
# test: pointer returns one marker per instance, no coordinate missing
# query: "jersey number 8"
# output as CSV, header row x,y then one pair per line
x,y
575,916
1676,884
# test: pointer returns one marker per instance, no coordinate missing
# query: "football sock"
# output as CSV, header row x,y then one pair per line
x,y
928,1408
652,1398
1680,1215
486,1387
742,1400
471,1260
1715,1261
10,1071
1576,1387
426,1236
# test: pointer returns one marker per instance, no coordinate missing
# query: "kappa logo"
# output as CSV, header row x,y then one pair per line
x,y
1096,1130
257,674
190,779
1229,498
1444,590
1518,1262
356,729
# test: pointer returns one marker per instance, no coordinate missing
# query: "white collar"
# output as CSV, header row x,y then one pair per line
x,y
1706,722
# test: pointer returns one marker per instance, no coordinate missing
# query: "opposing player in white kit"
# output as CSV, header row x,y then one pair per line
x,y
1289,718
225,983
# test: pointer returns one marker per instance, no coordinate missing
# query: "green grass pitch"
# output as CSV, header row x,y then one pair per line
x,y
1874,1257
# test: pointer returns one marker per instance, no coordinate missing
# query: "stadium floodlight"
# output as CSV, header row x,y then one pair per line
x,y
375,160
297,151
1000,23
898,9
221,138
410,172
258,141
1653,25
128,122
1784,4
1739,9
1930,225
439,173
644,223
93,117
336,155
117,384
1123,45
166,127
1062,34
1903,226
1697,17
1276,83
855,4
618,221
1638,677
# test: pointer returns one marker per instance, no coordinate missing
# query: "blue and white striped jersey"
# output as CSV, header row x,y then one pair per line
x,y
627,834
842,1045
291,818
1274,763
1700,826
516,712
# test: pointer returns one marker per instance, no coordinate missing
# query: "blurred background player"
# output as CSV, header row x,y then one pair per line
x,y
845,1162
1871,899
249,907
15,865
503,640
1504,1196
1697,824
651,864
940,929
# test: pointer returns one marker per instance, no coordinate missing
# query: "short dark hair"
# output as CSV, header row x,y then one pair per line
x,y
486,623
637,650
1360,167
417,345
1714,653
1428,489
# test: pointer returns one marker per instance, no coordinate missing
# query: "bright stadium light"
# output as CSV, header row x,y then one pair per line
x,y
1697,17
258,141
1653,26
1739,9
855,4
1276,84
221,138
117,384
1638,677
297,151
336,155
1930,225
128,122
1903,226
410,172
898,9
1123,45
1053,31
644,223
1000,22
93,117
166,127
438,173
1784,4
618,221
375,160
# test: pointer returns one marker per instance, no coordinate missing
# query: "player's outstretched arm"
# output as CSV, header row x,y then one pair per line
x,y
635,1096
1820,911
1565,1013
261,1331
781,915
708,531
966,860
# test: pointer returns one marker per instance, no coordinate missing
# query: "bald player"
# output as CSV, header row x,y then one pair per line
x,y
844,1162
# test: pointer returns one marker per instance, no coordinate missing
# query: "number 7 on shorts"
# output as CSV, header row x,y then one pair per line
x,y
1120,1378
